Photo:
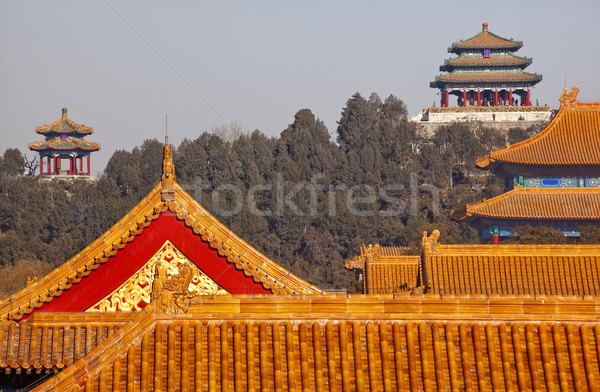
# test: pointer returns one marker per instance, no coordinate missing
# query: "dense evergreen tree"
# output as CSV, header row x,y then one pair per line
x,y
300,198
13,162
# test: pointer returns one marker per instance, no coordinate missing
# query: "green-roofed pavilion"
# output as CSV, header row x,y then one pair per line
x,y
64,148
486,73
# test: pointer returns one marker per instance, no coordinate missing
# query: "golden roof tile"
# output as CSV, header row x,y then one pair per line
x,y
571,138
418,351
505,270
538,203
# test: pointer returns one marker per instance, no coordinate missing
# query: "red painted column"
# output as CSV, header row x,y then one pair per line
x,y
465,98
446,98
496,240
478,97
80,165
528,98
496,98
56,167
49,165
509,97
88,165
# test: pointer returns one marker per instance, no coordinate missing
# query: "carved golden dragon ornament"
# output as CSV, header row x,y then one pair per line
x,y
168,278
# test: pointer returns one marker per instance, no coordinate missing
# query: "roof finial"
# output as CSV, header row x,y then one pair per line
x,y
166,127
168,173
64,112
485,26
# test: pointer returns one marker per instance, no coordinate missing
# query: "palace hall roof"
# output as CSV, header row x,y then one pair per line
x,y
372,343
491,270
64,125
536,204
115,269
65,145
485,40
554,271
571,138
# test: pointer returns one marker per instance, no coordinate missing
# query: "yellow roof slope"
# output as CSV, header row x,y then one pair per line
x,y
571,138
359,345
492,270
387,269
538,203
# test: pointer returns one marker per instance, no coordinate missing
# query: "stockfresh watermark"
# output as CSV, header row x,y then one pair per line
x,y
304,198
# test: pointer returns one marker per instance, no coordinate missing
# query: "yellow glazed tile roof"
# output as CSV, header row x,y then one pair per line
x,y
223,351
571,138
492,270
393,275
387,269
538,203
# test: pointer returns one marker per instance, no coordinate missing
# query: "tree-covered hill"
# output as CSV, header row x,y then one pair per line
x,y
306,199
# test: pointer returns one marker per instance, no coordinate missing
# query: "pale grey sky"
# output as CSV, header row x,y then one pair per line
x,y
118,66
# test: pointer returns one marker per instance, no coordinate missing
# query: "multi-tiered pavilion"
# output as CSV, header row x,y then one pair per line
x,y
488,81
64,149
486,73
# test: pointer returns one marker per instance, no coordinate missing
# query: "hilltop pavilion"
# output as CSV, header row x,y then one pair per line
x,y
64,142
489,82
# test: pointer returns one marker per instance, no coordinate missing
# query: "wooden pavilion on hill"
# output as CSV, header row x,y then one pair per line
x,y
489,82
218,315
486,72
552,179
64,141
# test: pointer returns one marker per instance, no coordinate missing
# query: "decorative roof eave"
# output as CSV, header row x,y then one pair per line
x,y
465,62
75,128
585,149
366,253
464,46
166,196
537,204
488,77
64,145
